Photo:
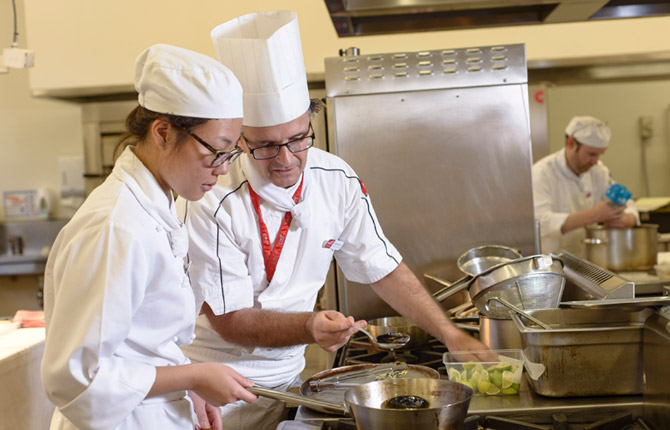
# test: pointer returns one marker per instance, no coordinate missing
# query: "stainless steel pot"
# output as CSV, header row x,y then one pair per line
x,y
621,249
497,333
447,409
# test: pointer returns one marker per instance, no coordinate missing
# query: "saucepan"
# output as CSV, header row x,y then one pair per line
x,y
394,404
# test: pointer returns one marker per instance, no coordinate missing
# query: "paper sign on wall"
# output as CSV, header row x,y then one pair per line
x,y
21,204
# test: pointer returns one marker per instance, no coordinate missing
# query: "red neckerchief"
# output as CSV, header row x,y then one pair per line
x,y
271,256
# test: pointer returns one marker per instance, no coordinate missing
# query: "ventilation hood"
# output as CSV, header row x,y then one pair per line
x,y
370,17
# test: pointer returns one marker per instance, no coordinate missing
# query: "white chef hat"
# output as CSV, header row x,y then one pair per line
x,y
177,81
590,131
263,50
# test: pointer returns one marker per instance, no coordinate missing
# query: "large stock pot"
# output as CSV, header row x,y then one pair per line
x,y
622,249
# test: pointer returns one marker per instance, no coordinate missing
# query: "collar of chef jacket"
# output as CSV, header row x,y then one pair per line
x,y
144,186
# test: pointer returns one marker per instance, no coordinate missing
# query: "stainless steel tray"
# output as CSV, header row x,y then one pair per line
x,y
588,352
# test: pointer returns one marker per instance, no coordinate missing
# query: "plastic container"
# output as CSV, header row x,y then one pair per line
x,y
500,376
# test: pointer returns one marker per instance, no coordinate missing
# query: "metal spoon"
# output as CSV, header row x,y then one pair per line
x,y
399,339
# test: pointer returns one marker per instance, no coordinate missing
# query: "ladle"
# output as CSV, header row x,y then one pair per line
x,y
517,310
400,339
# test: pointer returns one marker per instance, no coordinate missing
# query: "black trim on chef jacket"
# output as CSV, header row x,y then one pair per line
x,y
365,197
218,233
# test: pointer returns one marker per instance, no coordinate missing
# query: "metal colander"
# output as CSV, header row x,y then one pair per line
x,y
534,282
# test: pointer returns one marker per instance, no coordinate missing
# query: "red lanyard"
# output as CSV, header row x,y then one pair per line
x,y
271,256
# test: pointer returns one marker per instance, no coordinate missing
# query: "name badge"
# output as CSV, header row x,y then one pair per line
x,y
333,244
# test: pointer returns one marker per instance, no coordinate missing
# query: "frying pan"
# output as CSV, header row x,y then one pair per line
x,y
447,409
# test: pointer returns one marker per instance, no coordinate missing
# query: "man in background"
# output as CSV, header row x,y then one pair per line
x,y
569,189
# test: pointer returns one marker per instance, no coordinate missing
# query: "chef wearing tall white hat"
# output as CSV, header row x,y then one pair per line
x,y
117,299
263,241
569,189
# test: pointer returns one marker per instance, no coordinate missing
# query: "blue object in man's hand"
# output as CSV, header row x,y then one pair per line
x,y
618,194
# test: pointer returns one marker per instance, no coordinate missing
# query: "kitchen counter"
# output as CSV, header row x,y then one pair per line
x,y
529,403
23,404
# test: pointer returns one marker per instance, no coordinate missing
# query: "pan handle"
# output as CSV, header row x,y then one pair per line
x,y
449,289
317,405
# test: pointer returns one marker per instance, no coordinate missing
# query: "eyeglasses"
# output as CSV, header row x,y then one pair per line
x,y
299,144
220,157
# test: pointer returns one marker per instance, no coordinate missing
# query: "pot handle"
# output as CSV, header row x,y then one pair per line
x,y
449,289
317,405
595,241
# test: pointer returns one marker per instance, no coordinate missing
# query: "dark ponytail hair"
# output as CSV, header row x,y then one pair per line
x,y
139,121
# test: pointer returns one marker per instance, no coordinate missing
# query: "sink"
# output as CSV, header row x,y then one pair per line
x,y
27,255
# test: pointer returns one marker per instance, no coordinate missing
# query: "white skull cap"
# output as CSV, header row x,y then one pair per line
x,y
263,50
589,131
178,81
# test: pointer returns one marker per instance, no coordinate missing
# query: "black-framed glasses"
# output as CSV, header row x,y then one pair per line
x,y
220,157
299,144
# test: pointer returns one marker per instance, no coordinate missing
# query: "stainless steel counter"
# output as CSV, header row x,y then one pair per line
x,y
647,283
529,403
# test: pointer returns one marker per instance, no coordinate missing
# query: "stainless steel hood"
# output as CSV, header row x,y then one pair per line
x,y
369,17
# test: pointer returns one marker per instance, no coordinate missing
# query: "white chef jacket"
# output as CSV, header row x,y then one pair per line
x,y
228,271
558,192
117,304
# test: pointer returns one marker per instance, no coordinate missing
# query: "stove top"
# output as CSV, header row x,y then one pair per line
x,y
605,419
359,350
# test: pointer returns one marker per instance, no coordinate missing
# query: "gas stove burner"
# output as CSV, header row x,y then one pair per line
x,y
359,350
404,356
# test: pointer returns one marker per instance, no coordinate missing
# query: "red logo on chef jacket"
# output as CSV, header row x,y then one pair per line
x,y
365,191
588,195
333,244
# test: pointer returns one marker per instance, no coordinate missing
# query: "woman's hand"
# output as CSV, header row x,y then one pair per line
x,y
218,384
209,417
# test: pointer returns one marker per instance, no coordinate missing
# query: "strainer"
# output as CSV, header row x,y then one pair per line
x,y
534,282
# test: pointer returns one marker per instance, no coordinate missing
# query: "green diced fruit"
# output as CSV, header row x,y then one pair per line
x,y
510,390
501,367
507,379
454,375
483,386
493,390
502,378
496,378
